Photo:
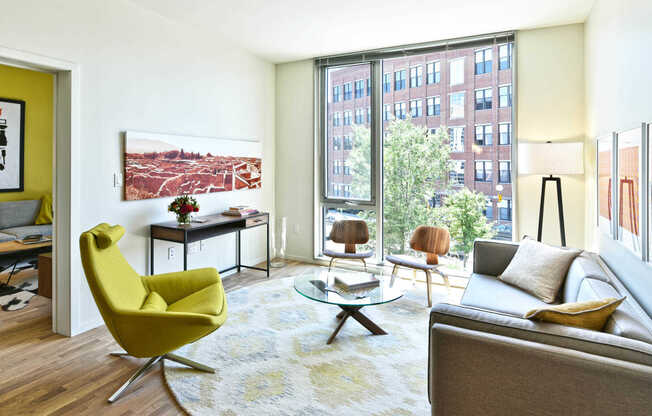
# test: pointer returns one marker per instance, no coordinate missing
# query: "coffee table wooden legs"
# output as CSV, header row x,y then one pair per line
x,y
354,312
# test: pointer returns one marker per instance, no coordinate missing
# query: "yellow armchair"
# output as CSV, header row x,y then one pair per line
x,y
150,316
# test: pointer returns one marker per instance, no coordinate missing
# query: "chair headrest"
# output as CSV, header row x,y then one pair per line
x,y
107,235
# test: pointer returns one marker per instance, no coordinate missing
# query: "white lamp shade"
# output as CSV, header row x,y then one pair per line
x,y
542,158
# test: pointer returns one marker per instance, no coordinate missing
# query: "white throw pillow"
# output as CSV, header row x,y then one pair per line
x,y
539,269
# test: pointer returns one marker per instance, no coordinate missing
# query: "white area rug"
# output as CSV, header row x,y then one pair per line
x,y
272,358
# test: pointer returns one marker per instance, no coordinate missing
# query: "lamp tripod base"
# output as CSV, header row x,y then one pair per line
x,y
560,206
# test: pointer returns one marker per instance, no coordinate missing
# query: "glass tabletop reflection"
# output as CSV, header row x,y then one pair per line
x,y
315,286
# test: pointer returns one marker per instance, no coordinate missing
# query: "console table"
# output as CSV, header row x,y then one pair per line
x,y
215,225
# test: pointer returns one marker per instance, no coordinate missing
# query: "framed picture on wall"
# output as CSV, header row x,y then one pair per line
x,y
12,144
630,159
604,186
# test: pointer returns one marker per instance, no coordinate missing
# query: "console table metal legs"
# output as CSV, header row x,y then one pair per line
x,y
354,312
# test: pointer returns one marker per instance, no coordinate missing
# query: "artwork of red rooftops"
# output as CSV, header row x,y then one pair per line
x,y
159,166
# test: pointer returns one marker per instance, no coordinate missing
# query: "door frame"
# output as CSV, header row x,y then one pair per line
x,y
66,265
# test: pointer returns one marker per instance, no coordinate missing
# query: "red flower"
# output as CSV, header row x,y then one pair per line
x,y
196,209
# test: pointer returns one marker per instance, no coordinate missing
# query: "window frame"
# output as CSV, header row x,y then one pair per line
x,y
436,75
509,172
509,133
487,65
375,59
510,96
484,98
483,126
485,177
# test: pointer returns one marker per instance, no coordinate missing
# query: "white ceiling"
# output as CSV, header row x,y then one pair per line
x,y
289,30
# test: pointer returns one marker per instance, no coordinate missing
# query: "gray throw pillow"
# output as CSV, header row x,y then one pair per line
x,y
539,269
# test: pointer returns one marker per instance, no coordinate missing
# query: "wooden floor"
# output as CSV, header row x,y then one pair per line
x,y
42,373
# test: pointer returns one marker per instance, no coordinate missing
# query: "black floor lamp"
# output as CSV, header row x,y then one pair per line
x,y
550,159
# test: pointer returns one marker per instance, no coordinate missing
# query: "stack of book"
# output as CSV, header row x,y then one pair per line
x,y
240,211
356,281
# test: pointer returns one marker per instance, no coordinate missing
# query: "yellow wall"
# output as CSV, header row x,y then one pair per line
x,y
550,106
36,89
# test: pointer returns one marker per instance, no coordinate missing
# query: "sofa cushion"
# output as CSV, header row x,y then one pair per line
x,y
539,269
624,322
6,237
489,293
22,232
590,314
585,265
18,213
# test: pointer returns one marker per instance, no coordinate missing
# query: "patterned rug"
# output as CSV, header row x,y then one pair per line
x,y
272,358
13,298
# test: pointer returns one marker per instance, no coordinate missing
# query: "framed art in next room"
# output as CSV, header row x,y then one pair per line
x,y
12,144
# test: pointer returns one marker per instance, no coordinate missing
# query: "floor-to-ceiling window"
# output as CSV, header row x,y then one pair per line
x,y
407,165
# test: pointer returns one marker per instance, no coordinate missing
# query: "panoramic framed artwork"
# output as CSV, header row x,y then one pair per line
x,y
161,165
12,145
629,183
604,183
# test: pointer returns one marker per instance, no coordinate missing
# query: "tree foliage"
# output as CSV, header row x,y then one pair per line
x,y
466,221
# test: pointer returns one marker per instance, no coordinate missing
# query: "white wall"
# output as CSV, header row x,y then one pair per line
x,y
140,71
295,155
550,106
618,35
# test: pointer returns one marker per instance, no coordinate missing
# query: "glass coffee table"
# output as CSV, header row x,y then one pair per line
x,y
319,286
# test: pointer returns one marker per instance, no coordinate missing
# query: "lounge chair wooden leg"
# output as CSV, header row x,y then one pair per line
x,y
414,277
394,270
365,264
428,280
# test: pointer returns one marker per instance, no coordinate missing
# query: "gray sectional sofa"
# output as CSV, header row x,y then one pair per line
x,y
484,358
17,220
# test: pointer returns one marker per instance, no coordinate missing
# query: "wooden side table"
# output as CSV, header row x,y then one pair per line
x,y
45,275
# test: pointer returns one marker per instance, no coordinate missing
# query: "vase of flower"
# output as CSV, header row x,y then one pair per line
x,y
182,207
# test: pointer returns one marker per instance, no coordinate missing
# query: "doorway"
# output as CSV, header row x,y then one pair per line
x,y
66,268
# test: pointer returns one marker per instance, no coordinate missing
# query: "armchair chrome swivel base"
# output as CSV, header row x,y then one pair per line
x,y
149,364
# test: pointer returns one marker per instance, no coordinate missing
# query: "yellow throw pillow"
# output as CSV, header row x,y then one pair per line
x,y
591,314
155,303
45,214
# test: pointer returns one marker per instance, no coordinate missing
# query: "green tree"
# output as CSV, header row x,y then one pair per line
x,y
415,168
466,221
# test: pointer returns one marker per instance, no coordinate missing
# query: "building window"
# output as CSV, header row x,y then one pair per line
x,y
457,105
433,72
337,167
489,210
337,119
483,99
457,71
337,143
416,108
368,115
347,118
368,87
483,136
399,80
359,88
483,172
456,176
416,76
346,169
505,96
505,171
433,105
347,91
456,138
505,210
505,56
348,143
505,133
346,190
387,109
387,82
336,94
359,115
483,61
400,110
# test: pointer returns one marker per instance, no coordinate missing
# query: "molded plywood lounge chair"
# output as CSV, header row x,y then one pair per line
x,y
433,241
349,233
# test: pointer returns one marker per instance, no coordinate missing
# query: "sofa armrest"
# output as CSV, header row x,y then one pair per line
x,y
478,373
492,257
579,339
